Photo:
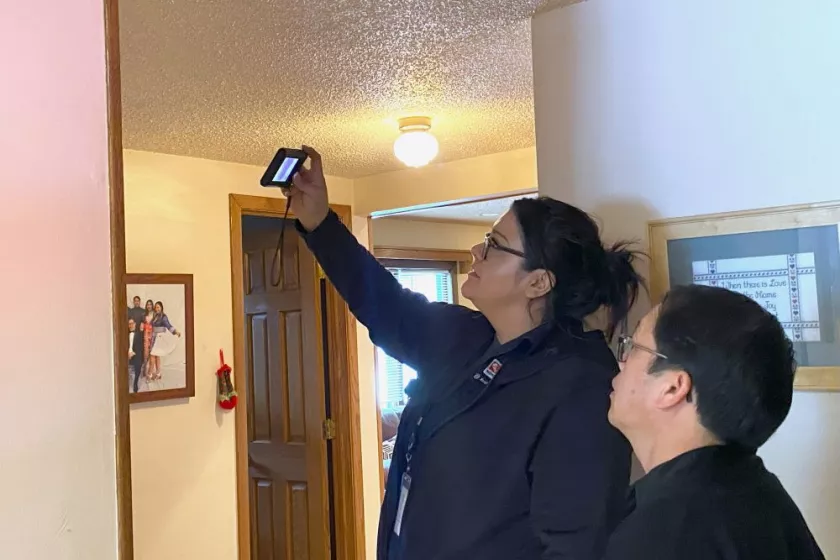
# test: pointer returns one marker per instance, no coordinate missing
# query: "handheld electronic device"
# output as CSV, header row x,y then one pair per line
x,y
281,170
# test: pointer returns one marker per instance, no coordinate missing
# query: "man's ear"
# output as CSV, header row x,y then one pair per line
x,y
540,282
675,387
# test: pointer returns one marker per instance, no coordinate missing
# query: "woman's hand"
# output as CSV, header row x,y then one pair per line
x,y
310,203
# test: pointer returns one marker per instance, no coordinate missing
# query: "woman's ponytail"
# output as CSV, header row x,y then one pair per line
x,y
565,241
622,283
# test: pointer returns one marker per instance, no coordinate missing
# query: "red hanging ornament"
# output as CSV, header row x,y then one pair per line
x,y
227,394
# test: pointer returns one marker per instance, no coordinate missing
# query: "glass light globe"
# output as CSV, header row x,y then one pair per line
x,y
416,148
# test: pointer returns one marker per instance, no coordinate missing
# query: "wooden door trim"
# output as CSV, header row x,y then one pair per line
x,y
380,455
116,189
416,253
344,381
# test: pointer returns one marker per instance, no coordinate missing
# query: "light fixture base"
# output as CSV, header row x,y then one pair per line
x,y
409,124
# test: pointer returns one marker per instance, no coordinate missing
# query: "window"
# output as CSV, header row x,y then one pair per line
x,y
433,280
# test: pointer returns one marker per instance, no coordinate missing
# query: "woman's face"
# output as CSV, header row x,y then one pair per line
x,y
150,306
158,308
497,276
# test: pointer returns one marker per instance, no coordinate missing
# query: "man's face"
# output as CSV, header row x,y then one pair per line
x,y
633,401
131,325
136,302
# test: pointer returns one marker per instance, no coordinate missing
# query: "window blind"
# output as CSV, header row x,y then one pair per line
x,y
435,285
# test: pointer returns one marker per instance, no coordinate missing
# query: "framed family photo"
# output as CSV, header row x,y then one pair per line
x,y
787,259
161,361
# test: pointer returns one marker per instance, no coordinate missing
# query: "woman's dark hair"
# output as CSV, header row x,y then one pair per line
x,y
162,310
565,241
148,301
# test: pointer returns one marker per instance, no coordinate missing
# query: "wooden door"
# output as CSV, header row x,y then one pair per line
x,y
287,455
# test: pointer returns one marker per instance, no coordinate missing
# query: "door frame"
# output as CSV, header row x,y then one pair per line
x,y
116,195
348,501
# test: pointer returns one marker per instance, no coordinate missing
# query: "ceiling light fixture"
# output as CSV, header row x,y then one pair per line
x,y
416,146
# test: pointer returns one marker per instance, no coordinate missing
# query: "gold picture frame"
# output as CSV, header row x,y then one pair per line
x,y
812,217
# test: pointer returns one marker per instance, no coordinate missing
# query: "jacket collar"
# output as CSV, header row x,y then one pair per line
x,y
543,347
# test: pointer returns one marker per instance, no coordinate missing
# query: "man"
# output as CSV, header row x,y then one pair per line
x,y
706,379
135,354
137,313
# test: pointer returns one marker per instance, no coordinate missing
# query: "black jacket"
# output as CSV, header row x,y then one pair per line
x,y
713,503
520,466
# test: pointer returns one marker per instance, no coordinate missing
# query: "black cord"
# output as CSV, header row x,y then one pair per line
x,y
278,253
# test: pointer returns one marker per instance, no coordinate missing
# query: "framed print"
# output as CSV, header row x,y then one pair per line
x,y
787,259
161,344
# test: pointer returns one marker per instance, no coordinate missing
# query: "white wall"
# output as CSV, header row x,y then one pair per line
x,y
657,108
57,461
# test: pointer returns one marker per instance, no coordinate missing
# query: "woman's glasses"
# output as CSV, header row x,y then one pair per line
x,y
490,243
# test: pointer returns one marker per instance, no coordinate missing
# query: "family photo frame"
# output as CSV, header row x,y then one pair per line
x,y
785,258
161,347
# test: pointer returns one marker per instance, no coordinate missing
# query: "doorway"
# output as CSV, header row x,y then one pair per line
x,y
298,411
287,422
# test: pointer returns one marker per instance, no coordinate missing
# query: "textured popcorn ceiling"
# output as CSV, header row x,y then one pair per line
x,y
233,80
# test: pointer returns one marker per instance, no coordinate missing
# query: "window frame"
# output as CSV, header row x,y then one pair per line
x,y
451,267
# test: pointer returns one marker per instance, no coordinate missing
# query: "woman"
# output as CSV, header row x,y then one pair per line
x,y
160,325
504,451
148,337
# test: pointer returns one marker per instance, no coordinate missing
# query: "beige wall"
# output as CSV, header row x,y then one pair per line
x,y
183,454
657,108
420,234
369,420
57,467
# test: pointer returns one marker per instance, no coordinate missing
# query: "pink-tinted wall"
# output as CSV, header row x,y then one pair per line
x,y
57,478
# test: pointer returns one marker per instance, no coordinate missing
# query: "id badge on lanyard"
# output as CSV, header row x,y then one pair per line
x,y
405,486
485,377
405,482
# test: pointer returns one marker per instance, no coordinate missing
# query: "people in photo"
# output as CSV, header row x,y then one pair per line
x,y
136,312
135,354
148,337
160,324
705,380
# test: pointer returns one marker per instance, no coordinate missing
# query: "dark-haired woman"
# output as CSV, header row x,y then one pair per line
x,y
504,451
160,326
148,338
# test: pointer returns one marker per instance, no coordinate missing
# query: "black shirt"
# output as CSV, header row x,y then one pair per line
x,y
522,467
138,314
717,502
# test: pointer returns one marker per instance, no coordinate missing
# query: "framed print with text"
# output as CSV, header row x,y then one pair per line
x,y
787,259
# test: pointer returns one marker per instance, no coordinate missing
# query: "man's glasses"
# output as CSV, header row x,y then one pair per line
x,y
626,345
490,243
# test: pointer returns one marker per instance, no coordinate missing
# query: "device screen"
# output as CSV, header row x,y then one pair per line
x,y
284,172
